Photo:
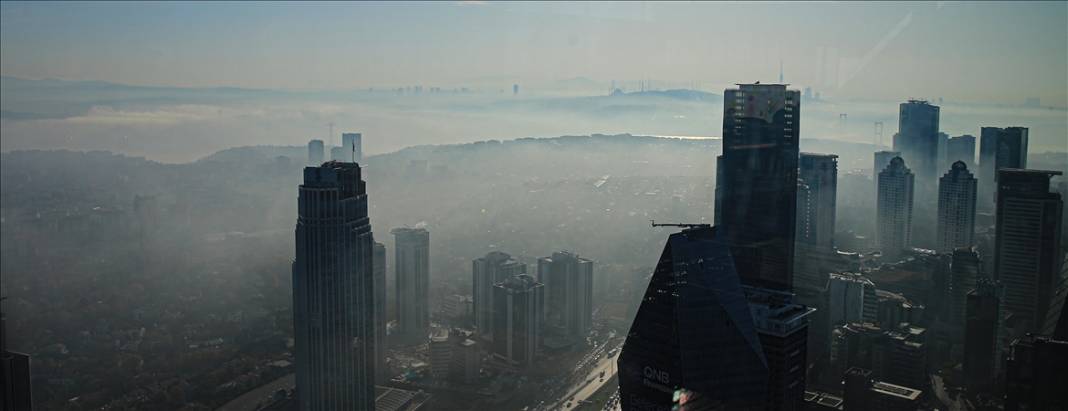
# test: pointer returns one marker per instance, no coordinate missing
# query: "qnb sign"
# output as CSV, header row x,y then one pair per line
x,y
654,374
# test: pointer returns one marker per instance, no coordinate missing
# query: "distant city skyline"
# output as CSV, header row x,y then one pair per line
x,y
978,52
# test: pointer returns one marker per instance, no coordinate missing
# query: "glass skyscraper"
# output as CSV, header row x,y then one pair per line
x,y
756,191
333,291
693,342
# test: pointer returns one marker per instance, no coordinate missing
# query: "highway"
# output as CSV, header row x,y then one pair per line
x,y
593,382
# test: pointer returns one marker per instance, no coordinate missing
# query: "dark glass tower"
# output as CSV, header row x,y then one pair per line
x,y
999,148
333,291
693,341
981,334
961,148
758,173
917,140
1035,376
1028,244
817,199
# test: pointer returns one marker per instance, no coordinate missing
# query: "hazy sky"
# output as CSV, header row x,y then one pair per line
x,y
985,51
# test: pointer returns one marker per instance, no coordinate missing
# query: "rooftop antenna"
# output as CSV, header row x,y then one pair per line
x,y
684,225
780,72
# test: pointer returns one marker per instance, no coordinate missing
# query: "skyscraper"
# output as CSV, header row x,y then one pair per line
x,y
893,226
982,322
917,140
782,327
485,273
961,148
851,298
315,152
568,281
758,172
1035,374
440,350
999,148
379,268
352,143
693,338
412,264
956,208
333,291
882,159
817,199
965,270
518,316
1027,243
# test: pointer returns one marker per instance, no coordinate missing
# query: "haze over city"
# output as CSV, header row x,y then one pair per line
x,y
534,205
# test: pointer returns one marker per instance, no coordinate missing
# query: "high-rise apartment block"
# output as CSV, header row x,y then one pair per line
x,y
956,208
487,272
568,281
894,209
519,315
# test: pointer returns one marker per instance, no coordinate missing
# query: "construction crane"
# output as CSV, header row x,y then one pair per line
x,y
683,225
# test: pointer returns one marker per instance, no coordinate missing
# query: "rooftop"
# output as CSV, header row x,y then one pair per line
x,y
886,388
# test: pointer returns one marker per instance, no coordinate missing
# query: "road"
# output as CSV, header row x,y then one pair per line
x,y
587,389
249,400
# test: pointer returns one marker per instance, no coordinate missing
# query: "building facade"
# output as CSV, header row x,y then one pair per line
x,y
850,298
961,148
917,139
568,281
782,327
757,190
893,208
999,148
519,315
981,350
1035,377
316,152
486,272
1027,244
333,291
411,252
956,208
352,143
379,269
693,336
817,199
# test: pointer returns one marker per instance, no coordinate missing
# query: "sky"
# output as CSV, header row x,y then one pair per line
x,y
974,52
